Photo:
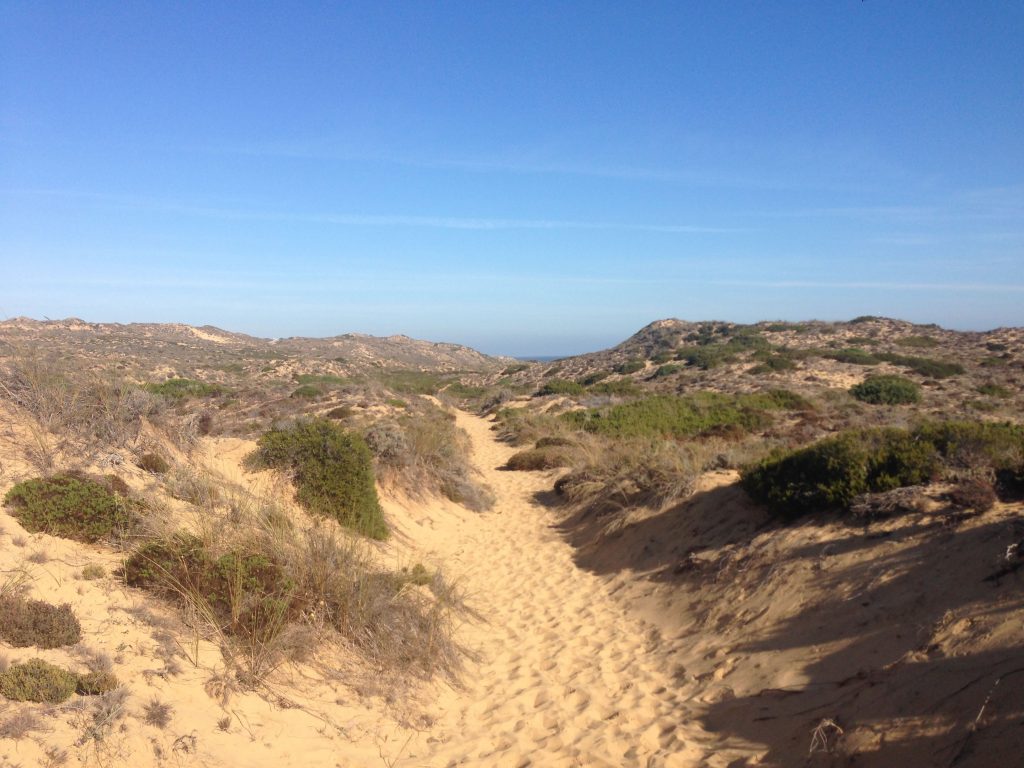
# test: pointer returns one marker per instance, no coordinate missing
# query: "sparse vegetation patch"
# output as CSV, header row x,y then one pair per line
x,y
180,389
680,417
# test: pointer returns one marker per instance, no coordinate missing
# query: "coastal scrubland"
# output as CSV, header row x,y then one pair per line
x,y
809,535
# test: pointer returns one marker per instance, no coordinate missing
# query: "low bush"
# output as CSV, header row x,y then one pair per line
x,y
886,390
93,571
630,366
935,369
554,441
538,459
72,507
773,364
560,387
320,380
305,392
332,470
919,342
593,378
708,356
620,388
994,390
180,389
976,495
666,370
995,346
853,356
829,474
247,594
411,382
97,683
153,463
35,680
340,413
36,623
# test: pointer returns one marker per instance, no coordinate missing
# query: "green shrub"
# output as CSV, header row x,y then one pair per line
x,y
995,346
320,380
538,458
560,387
773,364
154,463
621,387
516,368
704,357
410,382
396,402
340,413
332,470
832,472
662,357
994,390
865,319
775,400
853,356
886,390
630,366
466,392
305,392
593,378
33,622
37,681
71,507
935,369
920,342
976,444
994,362
180,389
666,370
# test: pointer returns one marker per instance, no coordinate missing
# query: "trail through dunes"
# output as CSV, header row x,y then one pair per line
x,y
565,677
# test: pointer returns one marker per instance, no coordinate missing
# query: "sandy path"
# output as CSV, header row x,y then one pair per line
x,y
565,677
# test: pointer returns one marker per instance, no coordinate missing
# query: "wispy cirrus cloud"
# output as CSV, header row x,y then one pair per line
x,y
125,202
876,285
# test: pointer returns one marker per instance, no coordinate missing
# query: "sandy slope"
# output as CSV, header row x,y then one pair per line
x,y
561,675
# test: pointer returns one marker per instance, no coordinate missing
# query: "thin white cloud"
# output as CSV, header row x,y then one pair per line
x,y
878,286
366,220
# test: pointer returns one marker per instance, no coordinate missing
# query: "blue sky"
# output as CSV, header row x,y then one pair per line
x,y
526,178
